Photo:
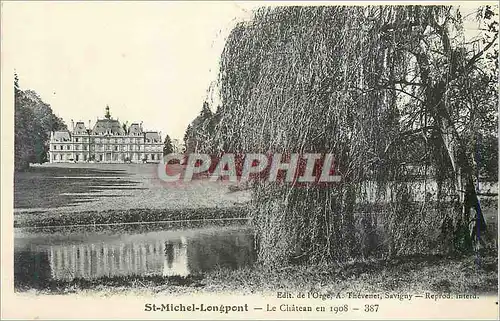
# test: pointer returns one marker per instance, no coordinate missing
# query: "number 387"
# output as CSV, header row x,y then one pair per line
x,y
371,307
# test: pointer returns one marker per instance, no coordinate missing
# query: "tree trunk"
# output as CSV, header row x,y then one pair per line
x,y
436,105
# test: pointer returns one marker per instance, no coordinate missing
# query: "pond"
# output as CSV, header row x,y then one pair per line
x,y
143,249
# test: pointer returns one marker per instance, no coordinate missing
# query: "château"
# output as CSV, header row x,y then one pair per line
x,y
107,142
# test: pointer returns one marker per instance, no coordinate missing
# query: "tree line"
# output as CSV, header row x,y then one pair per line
x,y
34,120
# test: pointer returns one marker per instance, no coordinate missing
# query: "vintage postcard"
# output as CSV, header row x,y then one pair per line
x,y
249,160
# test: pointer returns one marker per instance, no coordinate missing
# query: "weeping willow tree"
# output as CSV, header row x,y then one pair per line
x,y
380,88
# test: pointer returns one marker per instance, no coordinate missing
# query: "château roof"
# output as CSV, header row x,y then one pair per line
x,y
61,136
135,129
153,137
108,126
79,128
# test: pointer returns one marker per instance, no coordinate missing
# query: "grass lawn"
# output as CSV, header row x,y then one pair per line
x,y
62,194
418,274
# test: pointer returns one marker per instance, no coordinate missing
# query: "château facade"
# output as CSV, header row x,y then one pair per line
x,y
107,142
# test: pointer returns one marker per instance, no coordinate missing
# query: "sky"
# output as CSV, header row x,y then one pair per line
x,y
149,61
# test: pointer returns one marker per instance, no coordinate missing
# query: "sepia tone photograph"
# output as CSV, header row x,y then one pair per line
x,y
329,160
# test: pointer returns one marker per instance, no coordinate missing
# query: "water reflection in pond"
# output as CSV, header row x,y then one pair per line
x,y
155,250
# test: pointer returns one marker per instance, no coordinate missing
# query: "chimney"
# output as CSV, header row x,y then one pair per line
x,y
72,125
